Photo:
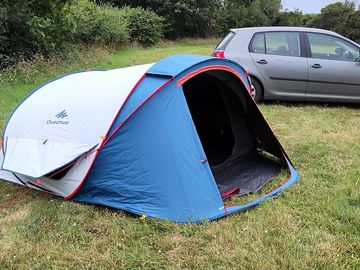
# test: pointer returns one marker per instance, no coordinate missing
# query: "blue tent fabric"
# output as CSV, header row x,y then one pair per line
x,y
161,174
176,64
153,165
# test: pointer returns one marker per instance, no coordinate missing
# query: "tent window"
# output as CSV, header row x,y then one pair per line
x,y
218,110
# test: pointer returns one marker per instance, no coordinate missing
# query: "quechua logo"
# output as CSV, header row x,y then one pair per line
x,y
61,115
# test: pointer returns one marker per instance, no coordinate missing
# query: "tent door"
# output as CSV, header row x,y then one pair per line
x,y
222,124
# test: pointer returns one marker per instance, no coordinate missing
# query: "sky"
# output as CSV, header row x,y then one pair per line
x,y
308,6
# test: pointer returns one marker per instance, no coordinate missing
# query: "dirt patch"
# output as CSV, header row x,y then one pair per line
x,y
178,244
7,220
7,232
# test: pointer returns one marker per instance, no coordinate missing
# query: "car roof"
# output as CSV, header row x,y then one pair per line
x,y
283,28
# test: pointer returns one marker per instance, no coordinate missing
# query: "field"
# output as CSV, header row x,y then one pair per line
x,y
313,225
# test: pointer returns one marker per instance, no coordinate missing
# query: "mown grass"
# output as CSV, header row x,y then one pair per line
x,y
313,225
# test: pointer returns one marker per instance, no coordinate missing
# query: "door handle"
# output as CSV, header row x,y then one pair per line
x,y
316,66
262,61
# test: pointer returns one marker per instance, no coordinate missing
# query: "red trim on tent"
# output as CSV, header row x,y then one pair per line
x,y
116,129
122,106
134,111
283,183
82,180
232,192
192,74
105,139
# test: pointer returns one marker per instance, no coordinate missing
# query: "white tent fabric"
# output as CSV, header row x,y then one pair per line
x,y
66,185
42,154
6,175
62,120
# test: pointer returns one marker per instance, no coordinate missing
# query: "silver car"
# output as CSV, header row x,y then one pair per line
x,y
295,63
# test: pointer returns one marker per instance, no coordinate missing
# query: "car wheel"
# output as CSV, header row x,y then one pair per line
x,y
258,92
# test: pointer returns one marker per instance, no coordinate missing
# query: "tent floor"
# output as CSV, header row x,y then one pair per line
x,y
245,174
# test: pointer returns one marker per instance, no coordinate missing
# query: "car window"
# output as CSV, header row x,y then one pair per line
x,y
283,43
222,45
332,48
258,43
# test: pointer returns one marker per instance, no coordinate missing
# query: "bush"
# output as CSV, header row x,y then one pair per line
x,y
333,17
184,18
290,18
145,27
32,26
3,38
309,19
352,24
98,23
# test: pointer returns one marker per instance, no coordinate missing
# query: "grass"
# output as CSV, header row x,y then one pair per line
x,y
313,225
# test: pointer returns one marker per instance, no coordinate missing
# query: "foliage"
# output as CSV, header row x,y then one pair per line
x,y
3,37
242,13
309,19
203,18
31,26
333,16
352,24
188,18
290,18
341,18
101,24
48,27
338,17
235,14
144,26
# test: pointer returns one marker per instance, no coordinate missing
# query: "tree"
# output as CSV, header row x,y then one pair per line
x,y
194,18
333,16
33,26
352,24
244,13
201,18
308,19
290,18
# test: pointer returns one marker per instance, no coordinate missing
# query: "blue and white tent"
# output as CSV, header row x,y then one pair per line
x,y
169,140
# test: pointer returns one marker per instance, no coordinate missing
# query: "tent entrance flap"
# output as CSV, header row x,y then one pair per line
x,y
221,121
41,157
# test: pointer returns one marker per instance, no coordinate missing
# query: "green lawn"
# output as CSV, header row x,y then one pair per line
x,y
313,225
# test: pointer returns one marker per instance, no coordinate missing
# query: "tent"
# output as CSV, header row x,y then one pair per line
x,y
169,140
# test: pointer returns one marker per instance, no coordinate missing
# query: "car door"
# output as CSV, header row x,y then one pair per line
x,y
281,60
334,73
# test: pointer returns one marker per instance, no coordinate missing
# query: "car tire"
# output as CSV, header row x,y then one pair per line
x,y
258,91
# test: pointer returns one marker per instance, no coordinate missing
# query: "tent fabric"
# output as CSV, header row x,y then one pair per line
x,y
133,142
56,119
41,151
161,129
9,176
